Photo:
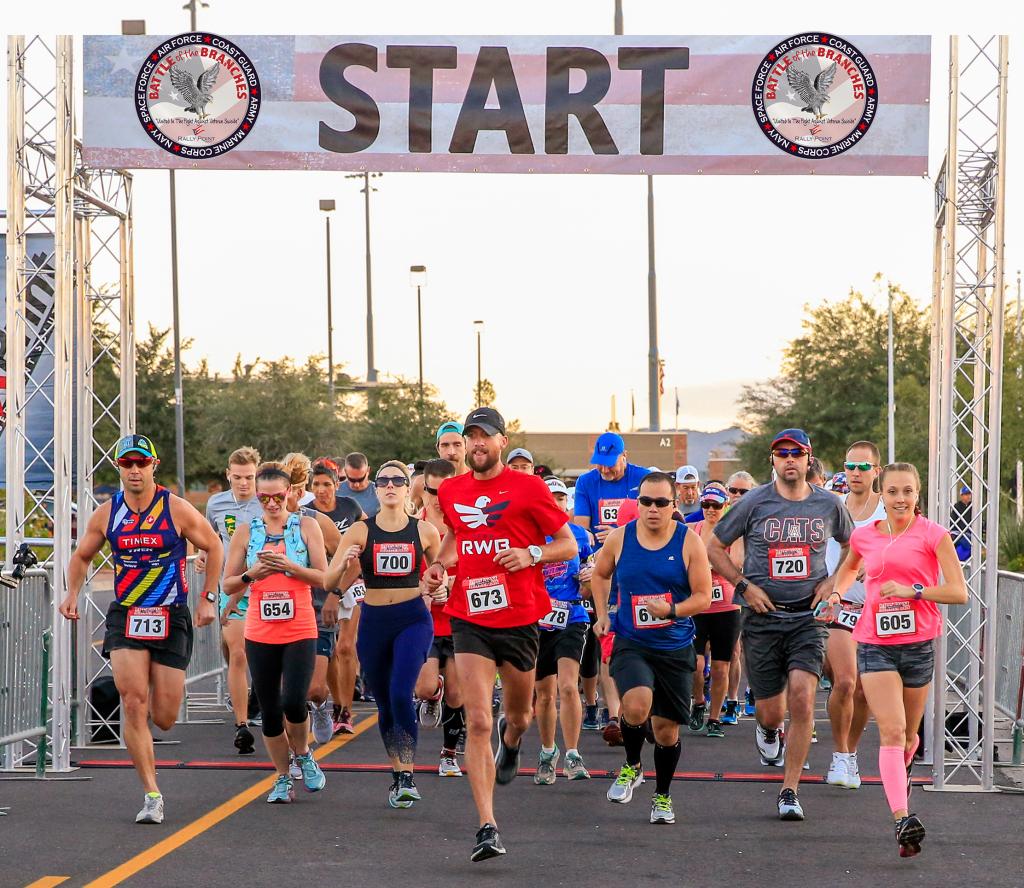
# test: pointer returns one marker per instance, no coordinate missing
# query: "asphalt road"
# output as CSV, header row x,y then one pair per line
x,y
218,829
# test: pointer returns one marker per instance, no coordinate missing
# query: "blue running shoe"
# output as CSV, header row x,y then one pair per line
x,y
731,714
312,777
282,792
590,719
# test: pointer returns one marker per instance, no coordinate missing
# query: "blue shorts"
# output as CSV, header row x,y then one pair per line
x,y
243,605
325,641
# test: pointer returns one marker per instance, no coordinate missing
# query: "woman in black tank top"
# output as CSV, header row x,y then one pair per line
x,y
395,630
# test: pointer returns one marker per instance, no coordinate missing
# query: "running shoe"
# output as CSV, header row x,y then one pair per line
x,y
697,715
574,768
152,809
814,733
282,792
294,771
852,771
590,719
449,765
789,806
323,725
629,778
748,702
506,759
909,835
769,743
838,772
244,742
825,683
496,702
604,718
343,720
429,713
312,777
714,728
731,715
488,843
661,809
612,733
395,792
546,768
407,791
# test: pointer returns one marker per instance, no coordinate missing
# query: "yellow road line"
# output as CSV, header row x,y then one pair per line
x,y
211,818
48,881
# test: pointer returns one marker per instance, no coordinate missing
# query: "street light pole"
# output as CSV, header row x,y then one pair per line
x,y
479,325
327,206
418,279
892,395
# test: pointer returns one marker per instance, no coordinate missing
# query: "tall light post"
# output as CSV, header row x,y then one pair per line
x,y
327,207
479,326
892,390
371,371
418,279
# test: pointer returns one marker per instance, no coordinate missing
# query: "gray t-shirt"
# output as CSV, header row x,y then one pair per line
x,y
226,513
366,498
785,541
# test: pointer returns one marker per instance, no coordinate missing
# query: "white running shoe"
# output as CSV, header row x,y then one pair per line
x,y
448,766
769,743
152,809
323,724
852,771
294,769
838,773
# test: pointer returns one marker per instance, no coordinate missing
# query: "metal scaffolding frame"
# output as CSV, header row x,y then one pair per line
x,y
88,213
966,400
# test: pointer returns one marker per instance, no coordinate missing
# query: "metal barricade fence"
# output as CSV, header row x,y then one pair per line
x,y
1009,642
25,613
207,663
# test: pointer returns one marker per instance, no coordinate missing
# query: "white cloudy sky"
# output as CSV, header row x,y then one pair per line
x,y
555,265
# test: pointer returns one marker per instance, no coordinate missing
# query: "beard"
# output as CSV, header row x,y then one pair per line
x,y
482,462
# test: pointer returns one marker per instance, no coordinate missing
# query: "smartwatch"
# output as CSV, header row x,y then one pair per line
x,y
535,553
918,591
210,596
247,579
336,591
740,587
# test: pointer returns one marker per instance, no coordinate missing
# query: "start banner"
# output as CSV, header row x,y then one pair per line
x,y
814,102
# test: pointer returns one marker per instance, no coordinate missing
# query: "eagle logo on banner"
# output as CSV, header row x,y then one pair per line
x,y
814,95
197,93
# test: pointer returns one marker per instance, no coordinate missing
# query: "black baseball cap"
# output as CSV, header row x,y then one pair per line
x,y
486,418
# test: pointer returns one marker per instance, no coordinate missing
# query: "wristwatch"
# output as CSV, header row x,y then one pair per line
x,y
210,596
535,553
247,579
918,591
741,586
337,592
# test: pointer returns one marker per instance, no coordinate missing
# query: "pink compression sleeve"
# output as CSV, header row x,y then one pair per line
x,y
894,776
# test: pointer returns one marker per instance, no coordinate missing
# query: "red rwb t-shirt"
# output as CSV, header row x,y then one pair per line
x,y
510,511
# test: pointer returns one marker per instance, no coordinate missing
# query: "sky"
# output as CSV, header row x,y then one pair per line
x,y
555,265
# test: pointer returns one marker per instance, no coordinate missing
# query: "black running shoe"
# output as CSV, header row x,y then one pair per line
x,y
488,843
244,741
506,759
909,835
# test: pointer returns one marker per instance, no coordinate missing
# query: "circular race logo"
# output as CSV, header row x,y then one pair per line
x,y
815,95
197,95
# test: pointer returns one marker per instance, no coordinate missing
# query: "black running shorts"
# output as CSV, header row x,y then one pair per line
x,y
174,651
517,646
720,630
590,665
773,646
669,674
442,649
558,644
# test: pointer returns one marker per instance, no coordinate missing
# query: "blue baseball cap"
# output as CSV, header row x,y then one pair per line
x,y
794,436
447,427
965,489
136,444
607,449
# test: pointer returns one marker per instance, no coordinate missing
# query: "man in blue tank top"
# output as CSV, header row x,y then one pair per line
x,y
148,629
664,579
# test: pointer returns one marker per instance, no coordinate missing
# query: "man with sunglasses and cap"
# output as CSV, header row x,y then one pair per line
x,y
499,520
148,635
785,527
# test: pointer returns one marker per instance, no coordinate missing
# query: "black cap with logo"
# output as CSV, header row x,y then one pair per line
x,y
486,418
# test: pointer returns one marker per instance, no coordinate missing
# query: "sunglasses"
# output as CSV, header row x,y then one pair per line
x,y
788,452
385,480
862,467
431,490
352,480
134,462
712,504
738,491
660,501
278,498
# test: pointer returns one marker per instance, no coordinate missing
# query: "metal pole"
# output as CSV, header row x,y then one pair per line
x,y
371,371
419,334
653,362
330,321
479,366
179,405
892,396
618,16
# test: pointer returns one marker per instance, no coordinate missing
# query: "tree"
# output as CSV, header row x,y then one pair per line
x,y
398,426
486,395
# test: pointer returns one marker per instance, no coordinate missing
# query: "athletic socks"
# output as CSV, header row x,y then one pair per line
x,y
665,760
633,737
894,776
453,720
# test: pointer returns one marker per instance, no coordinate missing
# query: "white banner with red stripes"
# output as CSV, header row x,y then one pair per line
x,y
814,102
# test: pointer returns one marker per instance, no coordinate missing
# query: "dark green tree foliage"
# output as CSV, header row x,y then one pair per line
x,y
398,426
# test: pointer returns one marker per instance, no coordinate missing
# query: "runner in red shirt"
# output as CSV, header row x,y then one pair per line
x,y
499,519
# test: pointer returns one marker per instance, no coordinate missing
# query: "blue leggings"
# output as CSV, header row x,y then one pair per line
x,y
393,643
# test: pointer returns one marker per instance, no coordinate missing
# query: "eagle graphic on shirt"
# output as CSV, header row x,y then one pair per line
x,y
481,513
